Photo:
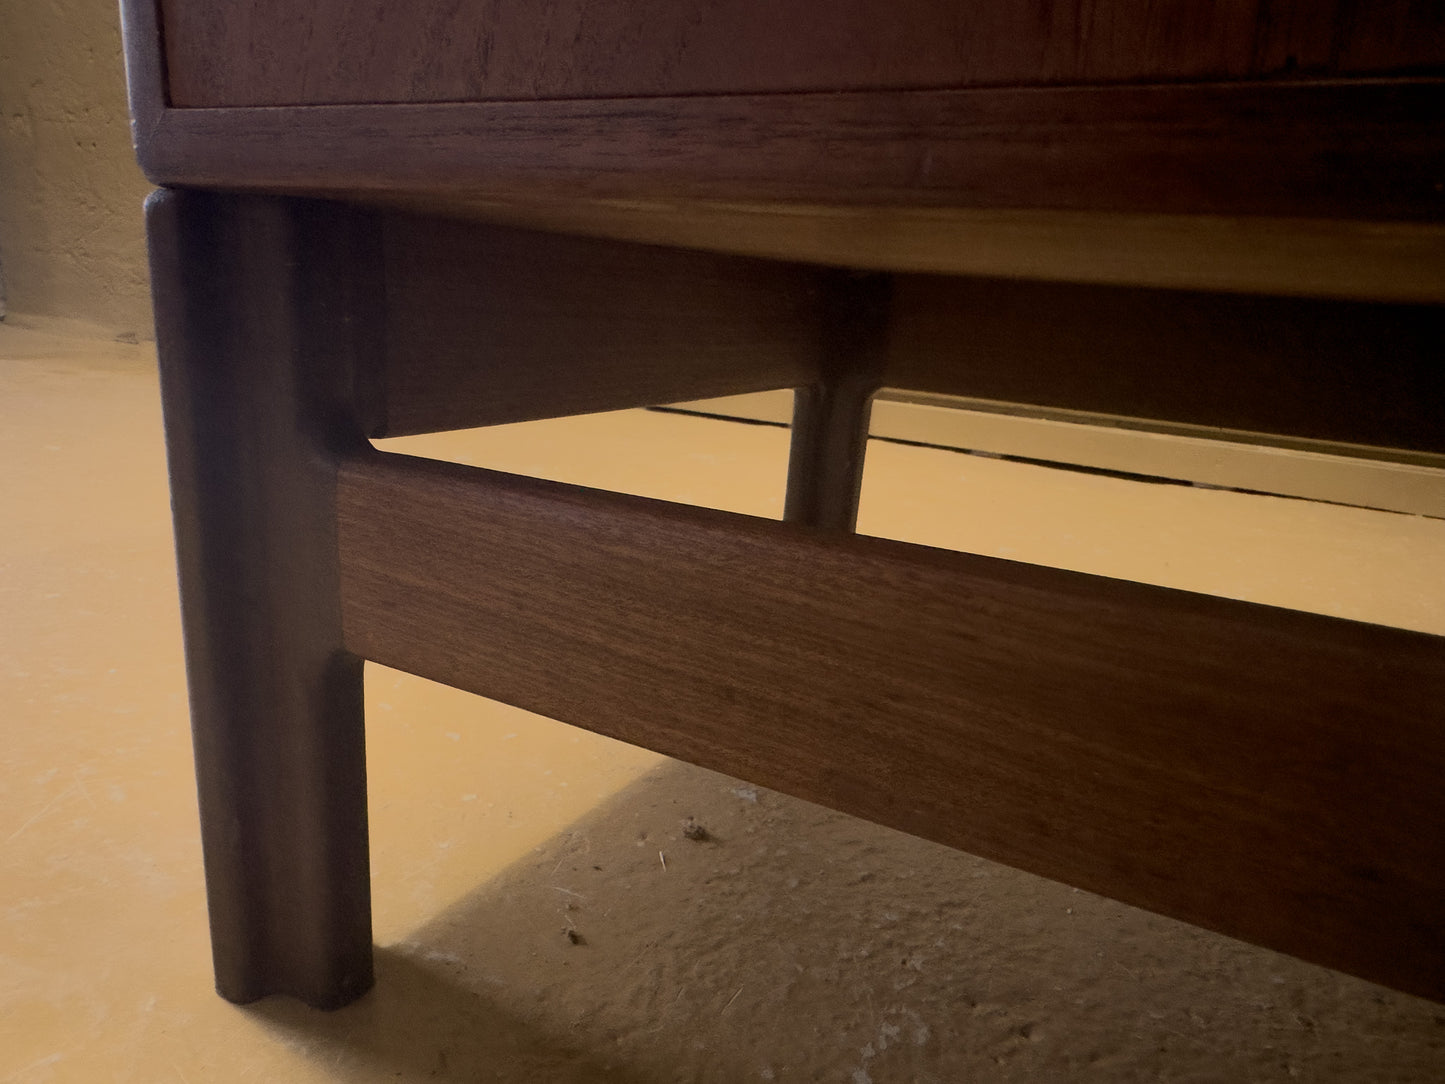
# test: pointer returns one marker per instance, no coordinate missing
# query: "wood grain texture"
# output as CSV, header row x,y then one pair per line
x,y
1328,150
1285,186
1325,370
261,318
1384,261
1268,774
270,52
488,324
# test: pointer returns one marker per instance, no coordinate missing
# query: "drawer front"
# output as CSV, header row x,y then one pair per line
x,y
279,52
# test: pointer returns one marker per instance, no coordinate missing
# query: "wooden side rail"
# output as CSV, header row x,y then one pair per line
x,y
488,324
1355,372
1268,774
1329,150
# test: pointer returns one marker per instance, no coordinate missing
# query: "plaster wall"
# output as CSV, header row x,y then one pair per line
x,y
72,241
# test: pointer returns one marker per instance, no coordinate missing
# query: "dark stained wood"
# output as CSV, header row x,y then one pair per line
x,y
144,65
826,455
1360,151
261,319
488,324
1269,774
830,416
1324,188
1354,373
274,52
1385,261
1364,37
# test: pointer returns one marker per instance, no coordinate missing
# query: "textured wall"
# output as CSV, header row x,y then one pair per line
x,y
71,234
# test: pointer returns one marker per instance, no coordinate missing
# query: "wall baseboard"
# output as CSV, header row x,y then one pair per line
x,y
1312,470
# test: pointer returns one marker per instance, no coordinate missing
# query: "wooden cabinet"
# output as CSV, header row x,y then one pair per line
x,y
1228,214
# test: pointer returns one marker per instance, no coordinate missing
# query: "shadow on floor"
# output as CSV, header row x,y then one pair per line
x,y
695,928
420,1023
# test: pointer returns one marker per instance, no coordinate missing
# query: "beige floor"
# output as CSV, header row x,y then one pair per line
x,y
539,914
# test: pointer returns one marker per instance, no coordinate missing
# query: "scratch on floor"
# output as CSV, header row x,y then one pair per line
x,y
46,808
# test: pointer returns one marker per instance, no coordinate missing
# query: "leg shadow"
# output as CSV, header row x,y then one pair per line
x,y
421,1023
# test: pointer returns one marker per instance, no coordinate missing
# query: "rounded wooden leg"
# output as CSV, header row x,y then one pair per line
x,y
830,419
257,347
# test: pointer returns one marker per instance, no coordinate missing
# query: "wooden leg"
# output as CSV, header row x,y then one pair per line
x,y
830,418
259,305
825,460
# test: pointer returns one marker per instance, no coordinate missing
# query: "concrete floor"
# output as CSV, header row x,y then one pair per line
x,y
528,928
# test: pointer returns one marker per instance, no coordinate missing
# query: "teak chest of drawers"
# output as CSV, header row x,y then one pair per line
x,y
379,219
